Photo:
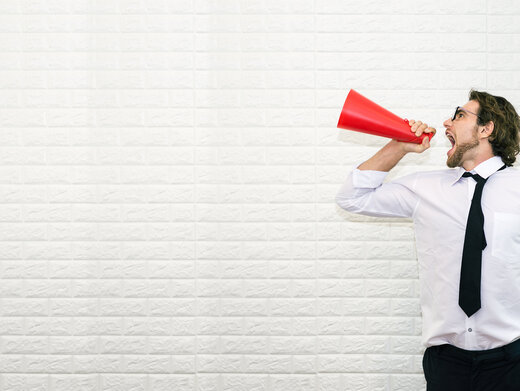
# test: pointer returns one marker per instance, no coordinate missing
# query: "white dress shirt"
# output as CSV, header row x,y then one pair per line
x,y
439,202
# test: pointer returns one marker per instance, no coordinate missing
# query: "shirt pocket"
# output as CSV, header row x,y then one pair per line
x,y
506,238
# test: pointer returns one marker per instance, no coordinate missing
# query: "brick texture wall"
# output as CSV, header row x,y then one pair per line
x,y
167,179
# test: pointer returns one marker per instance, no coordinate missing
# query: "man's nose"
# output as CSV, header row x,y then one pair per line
x,y
447,123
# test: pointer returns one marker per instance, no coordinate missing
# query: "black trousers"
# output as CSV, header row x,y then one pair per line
x,y
447,368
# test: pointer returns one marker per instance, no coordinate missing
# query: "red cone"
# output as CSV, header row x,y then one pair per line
x,y
363,115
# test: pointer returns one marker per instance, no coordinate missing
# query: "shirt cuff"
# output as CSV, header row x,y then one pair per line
x,y
368,178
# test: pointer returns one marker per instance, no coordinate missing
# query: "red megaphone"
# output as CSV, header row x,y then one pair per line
x,y
363,115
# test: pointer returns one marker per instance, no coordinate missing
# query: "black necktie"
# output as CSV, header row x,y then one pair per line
x,y
474,243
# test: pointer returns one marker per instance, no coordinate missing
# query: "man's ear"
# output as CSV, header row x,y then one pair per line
x,y
487,129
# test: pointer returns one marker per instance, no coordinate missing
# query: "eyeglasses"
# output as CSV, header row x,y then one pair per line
x,y
459,110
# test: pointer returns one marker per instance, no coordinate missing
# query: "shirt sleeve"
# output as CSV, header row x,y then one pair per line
x,y
365,193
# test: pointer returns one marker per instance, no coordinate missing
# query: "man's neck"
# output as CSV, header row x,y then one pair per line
x,y
478,155
469,165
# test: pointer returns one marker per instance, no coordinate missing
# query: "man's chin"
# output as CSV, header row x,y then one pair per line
x,y
459,150
453,160
451,164
456,154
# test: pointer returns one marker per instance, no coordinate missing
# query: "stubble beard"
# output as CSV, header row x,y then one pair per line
x,y
455,160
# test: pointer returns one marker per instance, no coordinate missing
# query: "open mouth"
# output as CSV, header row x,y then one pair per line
x,y
452,141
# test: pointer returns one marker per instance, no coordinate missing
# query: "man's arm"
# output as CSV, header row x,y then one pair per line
x,y
388,156
363,191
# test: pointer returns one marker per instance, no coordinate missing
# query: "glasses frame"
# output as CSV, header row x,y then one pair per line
x,y
459,108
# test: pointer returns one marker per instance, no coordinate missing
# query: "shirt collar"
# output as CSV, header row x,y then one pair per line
x,y
484,169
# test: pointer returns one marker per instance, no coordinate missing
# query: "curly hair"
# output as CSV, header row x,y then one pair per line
x,y
505,139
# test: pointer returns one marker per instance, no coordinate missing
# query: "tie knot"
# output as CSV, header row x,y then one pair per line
x,y
476,177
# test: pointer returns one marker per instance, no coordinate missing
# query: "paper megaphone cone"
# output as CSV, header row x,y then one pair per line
x,y
363,115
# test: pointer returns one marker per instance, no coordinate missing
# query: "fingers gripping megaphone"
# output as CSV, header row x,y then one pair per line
x,y
362,115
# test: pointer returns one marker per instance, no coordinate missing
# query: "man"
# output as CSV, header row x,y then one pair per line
x,y
467,230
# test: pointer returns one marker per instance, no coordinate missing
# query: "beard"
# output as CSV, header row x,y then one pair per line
x,y
455,160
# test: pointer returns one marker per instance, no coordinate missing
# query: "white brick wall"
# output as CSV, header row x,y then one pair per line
x,y
167,177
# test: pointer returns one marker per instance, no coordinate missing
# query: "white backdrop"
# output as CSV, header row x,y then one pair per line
x,y
167,179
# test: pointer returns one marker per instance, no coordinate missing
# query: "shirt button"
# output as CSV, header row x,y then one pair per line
x,y
470,329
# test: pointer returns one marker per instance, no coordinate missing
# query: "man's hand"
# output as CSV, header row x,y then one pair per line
x,y
388,156
418,128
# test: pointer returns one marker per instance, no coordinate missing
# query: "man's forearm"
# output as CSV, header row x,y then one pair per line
x,y
386,158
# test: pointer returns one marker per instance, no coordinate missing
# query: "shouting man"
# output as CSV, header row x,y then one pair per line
x,y
467,229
